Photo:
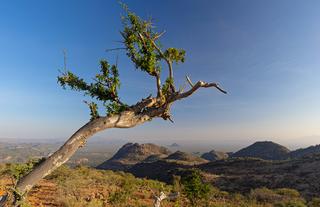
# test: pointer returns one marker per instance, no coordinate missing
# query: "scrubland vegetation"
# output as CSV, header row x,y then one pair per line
x,y
86,187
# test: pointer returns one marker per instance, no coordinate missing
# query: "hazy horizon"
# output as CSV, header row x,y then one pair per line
x,y
265,54
193,145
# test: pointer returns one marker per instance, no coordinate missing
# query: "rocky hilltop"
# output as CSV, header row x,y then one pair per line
x,y
214,155
266,150
244,174
143,154
185,157
131,154
302,152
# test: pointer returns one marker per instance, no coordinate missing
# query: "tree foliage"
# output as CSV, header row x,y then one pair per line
x,y
142,46
105,88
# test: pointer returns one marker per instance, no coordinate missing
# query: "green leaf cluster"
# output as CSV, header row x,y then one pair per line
x,y
143,47
137,36
104,88
19,170
106,85
175,55
115,108
166,86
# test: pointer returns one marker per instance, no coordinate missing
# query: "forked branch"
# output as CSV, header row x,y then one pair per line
x,y
195,87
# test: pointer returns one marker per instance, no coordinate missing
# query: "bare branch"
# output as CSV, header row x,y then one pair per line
x,y
144,103
158,35
207,85
199,84
142,39
169,62
170,119
158,86
189,81
64,60
144,36
113,49
158,80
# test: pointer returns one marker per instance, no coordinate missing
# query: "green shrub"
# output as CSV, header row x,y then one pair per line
x,y
118,197
280,196
264,195
25,204
315,202
74,202
291,203
19,170
195,190
122,195
287,192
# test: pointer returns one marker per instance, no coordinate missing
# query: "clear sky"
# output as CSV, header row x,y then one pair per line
x,y
266,54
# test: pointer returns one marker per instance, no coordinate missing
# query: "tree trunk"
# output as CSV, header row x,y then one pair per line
x,y
77,140
57,159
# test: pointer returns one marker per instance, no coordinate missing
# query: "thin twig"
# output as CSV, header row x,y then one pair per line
x,y
113,49
189,81
159,35
65,60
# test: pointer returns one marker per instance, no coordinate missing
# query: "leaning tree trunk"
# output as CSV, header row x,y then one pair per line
x,y
126,119
56,159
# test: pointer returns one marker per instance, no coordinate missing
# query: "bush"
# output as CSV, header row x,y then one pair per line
x,y
291,203
264,195
287,192
315,202
122,195
73,202
19,170
281,196
195,190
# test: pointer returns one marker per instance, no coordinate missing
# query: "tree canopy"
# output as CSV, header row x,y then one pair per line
x,y
143,47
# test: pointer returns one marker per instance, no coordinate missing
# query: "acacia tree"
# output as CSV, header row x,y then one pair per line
x,y
143,47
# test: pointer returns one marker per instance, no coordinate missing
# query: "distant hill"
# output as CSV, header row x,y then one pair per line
x,y
266,150
214,155
244,174
20,152
158,170
161,169
174,145
186,157
302,152
132,153
153,158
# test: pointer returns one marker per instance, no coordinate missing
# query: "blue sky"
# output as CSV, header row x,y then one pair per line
x,y
264,53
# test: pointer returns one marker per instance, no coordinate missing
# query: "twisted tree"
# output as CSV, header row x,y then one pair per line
x,y
142,46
